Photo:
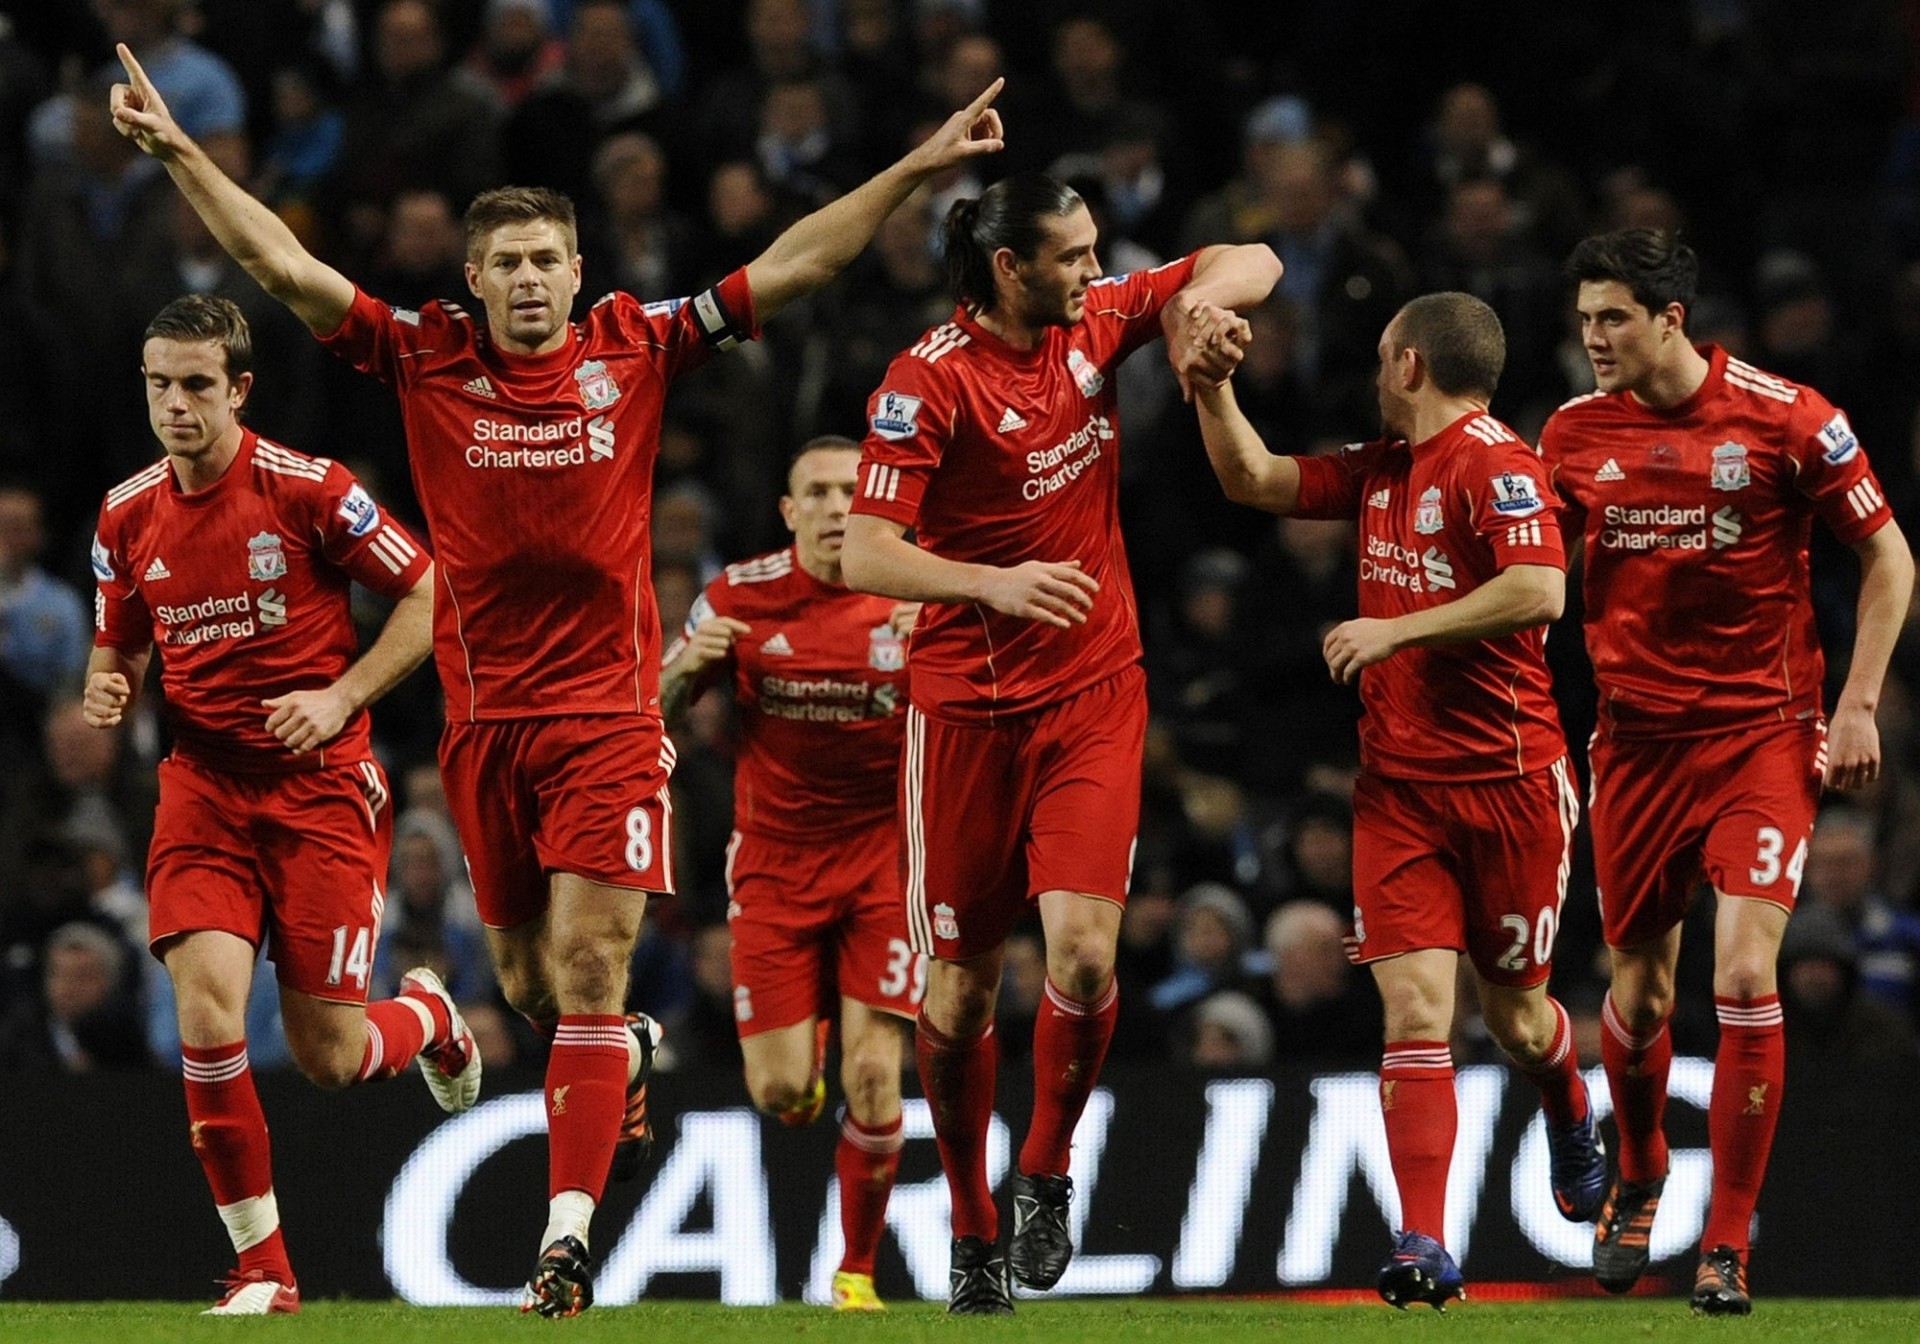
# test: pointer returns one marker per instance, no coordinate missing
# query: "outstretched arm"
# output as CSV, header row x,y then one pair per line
x,y
304,720
876,557
816,248
252,234
1247,471
1886,591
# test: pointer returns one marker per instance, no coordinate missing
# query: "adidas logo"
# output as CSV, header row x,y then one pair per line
x,y
158,570
480,387
1378,499
1011,421
1610,472
778,645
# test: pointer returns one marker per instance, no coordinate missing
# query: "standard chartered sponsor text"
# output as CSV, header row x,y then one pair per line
x,y
564,436
1054,461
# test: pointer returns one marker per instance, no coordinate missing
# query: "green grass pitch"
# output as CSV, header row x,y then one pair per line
x,y
1138,1321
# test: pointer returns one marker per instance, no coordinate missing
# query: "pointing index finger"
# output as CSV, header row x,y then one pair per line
x,y
135,73
987,95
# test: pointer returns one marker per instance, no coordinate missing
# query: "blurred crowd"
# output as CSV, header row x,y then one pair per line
x,y
1382,151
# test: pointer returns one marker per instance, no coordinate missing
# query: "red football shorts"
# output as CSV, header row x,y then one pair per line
x,y
809,918
299,859
993,816
584,795
1478,867
1736,810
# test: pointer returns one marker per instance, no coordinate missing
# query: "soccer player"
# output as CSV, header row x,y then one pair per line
x,y
234,555
532,441
1465,806
1694,479
813,878
996,437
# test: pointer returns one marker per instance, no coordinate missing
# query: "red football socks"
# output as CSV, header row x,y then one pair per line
x,y
396,1033
1563,1093
229,1133
1422,1115
866,1161
958,1080
1070,1039
1637,1068
586,1097
1749,1073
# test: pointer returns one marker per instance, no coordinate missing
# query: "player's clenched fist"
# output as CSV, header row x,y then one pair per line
x,y
304,720
711,640
1352,645
105,699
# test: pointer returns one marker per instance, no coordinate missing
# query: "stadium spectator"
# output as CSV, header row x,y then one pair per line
x,y
84,1018
1466,143
1212,934
429,918
636,242
517,52
43,622
1699,627
1463,569
1320,1009
1231,1034
1829,1016
1024,728
603,88
1842,878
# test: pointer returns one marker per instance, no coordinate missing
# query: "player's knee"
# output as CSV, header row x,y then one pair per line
x,y
1082,966
589,973
869,1078
773,1094
527,995
329,1064
1745,976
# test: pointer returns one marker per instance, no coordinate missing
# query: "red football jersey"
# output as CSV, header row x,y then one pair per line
x,y
820,683
1437,520
997,456
1696,521
243,587
536,475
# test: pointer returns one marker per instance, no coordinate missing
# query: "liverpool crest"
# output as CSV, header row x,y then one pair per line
x,y
597,388
1730,471
885,652
1427,518
266,558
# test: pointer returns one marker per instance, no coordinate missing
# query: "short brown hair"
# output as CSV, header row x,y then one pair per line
x,y
203,317
518,205
1458,337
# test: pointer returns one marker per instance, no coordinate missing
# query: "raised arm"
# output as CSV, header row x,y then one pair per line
x,y
876,557
1519,597
1886,592
252,234
304,720
113,680
1248,472
817,247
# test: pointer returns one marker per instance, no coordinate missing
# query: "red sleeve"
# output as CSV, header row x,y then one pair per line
x,y
121,619
909,423
1514,510
1123,311
686,332
1330,486
373,337
1552,457
362,539
1832,470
